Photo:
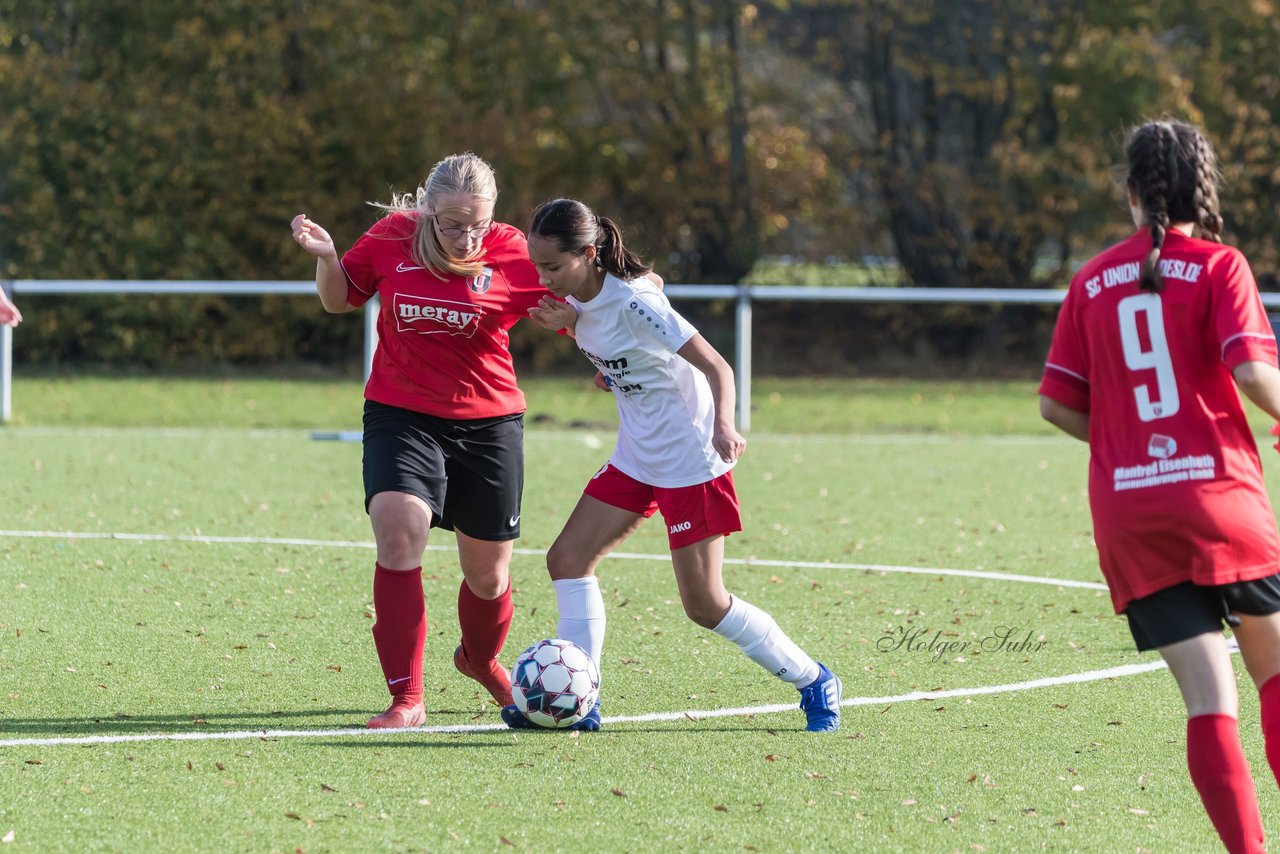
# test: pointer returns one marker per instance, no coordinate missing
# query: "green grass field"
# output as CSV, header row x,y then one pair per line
x,y
185,657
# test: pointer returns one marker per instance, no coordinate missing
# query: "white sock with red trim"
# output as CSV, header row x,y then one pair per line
x,y
760,640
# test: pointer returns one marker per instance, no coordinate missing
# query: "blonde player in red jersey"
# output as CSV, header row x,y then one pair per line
x,y
443,416
1154,338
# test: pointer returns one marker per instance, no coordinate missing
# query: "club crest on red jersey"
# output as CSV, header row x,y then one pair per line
x,y
480,284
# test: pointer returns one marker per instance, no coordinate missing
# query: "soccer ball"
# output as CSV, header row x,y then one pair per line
x,y
555,683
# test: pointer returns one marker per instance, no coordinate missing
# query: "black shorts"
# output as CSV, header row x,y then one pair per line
x,y
1185,610
470,473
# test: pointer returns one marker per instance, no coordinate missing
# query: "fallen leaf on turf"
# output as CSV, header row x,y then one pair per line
x,y
337,668
971,778
771,758
188,764
219,766
35,761
1059,705
505,841
721,808
327,788
293,815
1030,811
619,793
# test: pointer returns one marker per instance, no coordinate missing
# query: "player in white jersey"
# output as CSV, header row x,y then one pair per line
x,y
677,445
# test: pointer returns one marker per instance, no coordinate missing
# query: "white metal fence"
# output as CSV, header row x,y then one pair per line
x,y
743,297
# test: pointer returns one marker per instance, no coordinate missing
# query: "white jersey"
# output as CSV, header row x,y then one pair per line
x,y
665,409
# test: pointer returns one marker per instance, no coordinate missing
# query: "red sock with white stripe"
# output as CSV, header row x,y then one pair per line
x,y
484,624
1269,695
400,630
1221,775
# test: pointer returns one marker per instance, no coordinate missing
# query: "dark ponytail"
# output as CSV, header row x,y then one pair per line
x,y
573,227
1174,174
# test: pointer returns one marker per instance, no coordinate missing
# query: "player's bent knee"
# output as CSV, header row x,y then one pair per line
x,y
561,564
706,614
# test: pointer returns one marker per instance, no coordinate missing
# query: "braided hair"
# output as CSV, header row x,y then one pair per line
x,y
573,226
1174,174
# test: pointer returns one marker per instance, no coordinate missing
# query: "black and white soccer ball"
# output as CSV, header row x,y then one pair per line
x,y
554,683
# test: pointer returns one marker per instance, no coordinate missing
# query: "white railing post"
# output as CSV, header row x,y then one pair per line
x,y
743,328
370,334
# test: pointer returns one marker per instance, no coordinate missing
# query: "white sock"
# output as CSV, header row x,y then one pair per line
x,y
760,639
581,608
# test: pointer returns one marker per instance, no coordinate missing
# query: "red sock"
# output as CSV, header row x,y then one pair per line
x,y
1221,774
1269,694
401,628
484,623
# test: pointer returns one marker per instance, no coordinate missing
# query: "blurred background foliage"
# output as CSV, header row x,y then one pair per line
x,y
938,143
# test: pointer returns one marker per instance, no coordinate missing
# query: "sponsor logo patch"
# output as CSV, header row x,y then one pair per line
x,y
430,316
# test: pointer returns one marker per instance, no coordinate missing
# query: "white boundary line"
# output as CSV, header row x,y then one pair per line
x,y
589,436
1048,681
1088,676
349,544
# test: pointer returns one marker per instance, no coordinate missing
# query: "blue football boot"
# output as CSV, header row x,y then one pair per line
x,y
821,701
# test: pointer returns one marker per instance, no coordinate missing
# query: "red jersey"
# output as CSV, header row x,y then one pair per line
x,y
443,345
1175,482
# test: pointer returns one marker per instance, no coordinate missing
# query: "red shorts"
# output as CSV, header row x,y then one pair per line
x,y
692,513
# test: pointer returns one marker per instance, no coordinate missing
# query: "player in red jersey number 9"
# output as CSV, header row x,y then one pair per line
x,y
1154,338
443,416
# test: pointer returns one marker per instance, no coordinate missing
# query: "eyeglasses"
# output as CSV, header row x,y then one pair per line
x,y
453,232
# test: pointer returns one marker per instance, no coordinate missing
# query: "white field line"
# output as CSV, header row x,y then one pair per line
x,y
691,714
348,544
590,437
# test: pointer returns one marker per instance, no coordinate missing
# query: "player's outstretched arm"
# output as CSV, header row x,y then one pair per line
x,y
1073,422
725,438
9,314
331,282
